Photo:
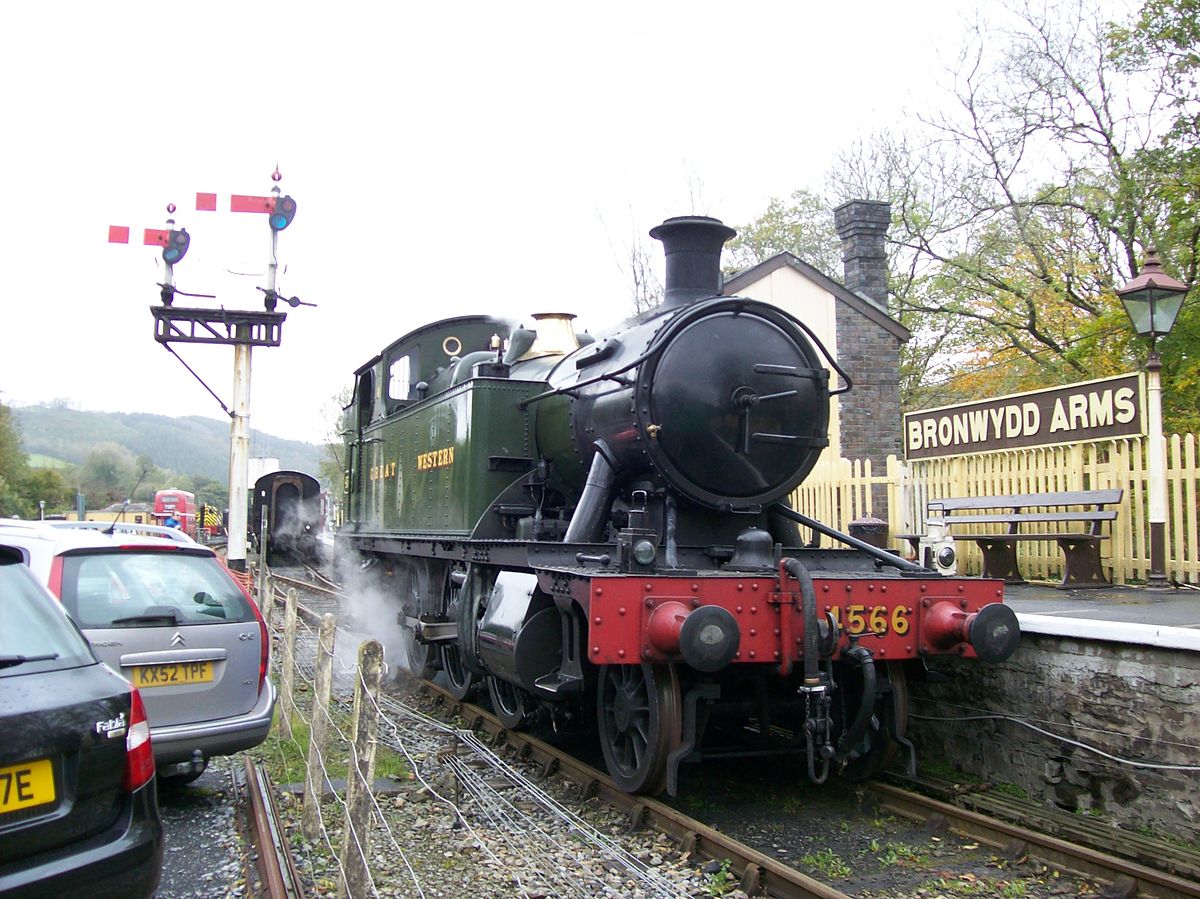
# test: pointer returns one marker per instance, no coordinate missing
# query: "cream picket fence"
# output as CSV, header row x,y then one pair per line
x,y
838,491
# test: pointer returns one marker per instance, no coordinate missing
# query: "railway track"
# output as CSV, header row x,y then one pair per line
x,y
276,868
1128,878
757,871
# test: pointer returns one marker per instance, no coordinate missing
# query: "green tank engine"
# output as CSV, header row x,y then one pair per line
x,y
579,523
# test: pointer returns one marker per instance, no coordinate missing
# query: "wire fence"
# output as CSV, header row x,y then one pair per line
x,y
519,830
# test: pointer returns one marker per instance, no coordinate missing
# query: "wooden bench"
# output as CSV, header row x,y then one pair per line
x,y
1081,548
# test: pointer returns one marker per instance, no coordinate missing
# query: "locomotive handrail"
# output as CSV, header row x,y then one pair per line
x,y
881,555
658,348
605,376
828,358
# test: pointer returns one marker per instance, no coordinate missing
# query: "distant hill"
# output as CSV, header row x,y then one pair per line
x,y
191,445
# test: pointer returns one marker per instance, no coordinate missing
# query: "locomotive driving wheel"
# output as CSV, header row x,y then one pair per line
x,y
883,748
459,678
511,704
640,719
420,659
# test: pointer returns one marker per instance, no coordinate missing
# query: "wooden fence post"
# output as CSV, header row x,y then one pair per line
x,y
899,497
267,606
287,699
355,880
263,597
314,774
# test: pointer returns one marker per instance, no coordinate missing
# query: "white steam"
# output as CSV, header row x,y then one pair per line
x,y
370,606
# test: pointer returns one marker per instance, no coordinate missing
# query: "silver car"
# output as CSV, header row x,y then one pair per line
x,y
168,616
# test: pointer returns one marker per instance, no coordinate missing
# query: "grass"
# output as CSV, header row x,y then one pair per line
x,y
969,885
827,863
38,460
955,886
946,771
286,758
1011,790
901,854
1147,831
720,881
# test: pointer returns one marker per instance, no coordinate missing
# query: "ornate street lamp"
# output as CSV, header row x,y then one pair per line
x,y
1153,300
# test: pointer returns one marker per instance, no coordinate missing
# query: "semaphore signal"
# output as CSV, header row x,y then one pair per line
x,y
242,330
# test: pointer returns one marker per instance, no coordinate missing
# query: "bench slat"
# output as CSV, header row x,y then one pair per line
x,y
1023,500
1014,538
1083,564
1017,517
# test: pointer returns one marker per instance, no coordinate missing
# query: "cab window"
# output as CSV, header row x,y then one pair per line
x,y
399,378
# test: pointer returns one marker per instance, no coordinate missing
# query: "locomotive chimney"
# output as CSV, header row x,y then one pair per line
x,y
692,244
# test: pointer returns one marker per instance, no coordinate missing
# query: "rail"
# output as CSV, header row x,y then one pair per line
x,y
755,870
276,867
1135,879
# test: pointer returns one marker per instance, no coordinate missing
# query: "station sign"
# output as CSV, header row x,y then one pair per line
x,y
1091,410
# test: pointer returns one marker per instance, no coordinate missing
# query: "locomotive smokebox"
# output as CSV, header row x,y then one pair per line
x,y
693,248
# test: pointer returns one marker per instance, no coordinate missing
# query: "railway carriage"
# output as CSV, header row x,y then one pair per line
x,y
599,530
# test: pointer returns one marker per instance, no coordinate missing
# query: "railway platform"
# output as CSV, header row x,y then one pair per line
x,y
1166,619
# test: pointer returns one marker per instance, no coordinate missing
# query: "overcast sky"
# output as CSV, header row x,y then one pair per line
x,y
446,158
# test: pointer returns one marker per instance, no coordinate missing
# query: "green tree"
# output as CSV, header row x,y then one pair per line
x,y
209,490
13,467
1162,45
801,225
1018,209
47,485
108,475
22,487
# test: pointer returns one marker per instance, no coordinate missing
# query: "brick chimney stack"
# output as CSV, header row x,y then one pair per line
x,y
862,225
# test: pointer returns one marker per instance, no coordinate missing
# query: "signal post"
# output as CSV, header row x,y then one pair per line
x,y
241,329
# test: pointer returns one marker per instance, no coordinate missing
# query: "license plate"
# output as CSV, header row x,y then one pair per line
x,y
26,785
172,675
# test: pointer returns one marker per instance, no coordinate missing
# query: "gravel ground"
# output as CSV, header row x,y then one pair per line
x,y
204,852
836,834
427,851
512,836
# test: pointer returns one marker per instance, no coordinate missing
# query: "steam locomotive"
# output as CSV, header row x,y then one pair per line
x,y
294,517
600,528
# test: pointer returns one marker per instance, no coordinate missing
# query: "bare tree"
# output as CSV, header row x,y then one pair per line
x,y
644,282
1017,208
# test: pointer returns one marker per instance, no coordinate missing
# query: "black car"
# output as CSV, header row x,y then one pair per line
x,y
78,806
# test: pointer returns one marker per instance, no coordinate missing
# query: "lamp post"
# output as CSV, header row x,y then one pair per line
x,y
1152,301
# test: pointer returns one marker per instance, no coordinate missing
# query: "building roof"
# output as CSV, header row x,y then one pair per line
x,y
855,301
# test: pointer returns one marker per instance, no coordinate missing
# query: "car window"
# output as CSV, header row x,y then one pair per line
x,y
35,634
137,589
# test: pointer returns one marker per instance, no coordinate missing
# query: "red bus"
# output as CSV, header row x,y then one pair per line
x,y
177,504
